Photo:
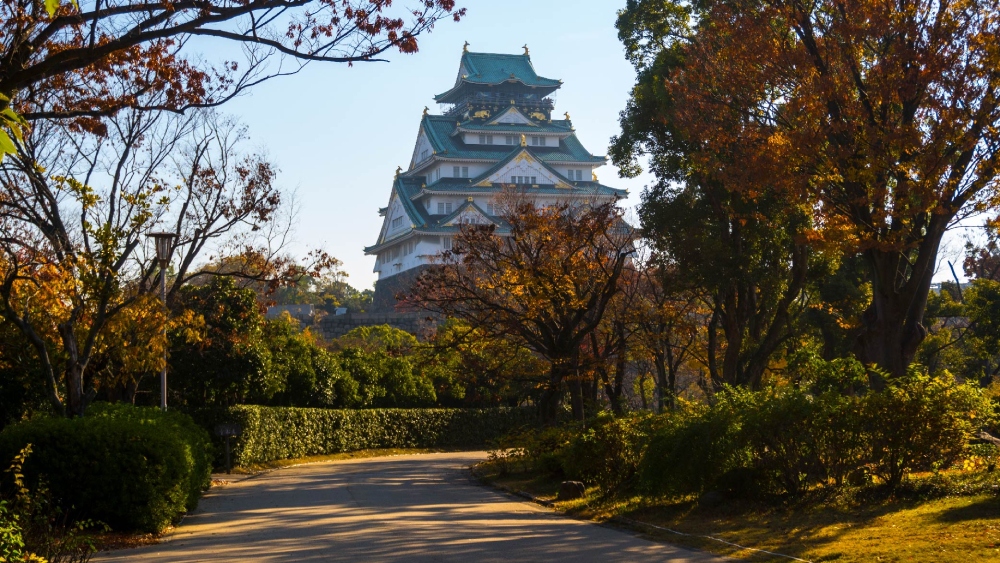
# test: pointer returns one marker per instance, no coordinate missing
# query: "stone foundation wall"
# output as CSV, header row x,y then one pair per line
x,y
421,325
386,289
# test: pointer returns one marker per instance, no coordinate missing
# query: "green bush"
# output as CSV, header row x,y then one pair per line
x,y
786,440
34,528
921,423
608,452
384,363
131,468
272,433
693,451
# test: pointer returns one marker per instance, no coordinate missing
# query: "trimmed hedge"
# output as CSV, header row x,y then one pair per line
x,y
131,468
272,433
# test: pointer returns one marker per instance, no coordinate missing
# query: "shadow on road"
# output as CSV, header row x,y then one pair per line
x,y
412,508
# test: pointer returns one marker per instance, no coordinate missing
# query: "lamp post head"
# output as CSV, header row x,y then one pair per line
x,y
164,241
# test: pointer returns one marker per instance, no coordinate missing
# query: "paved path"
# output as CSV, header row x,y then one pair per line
x,y
418,508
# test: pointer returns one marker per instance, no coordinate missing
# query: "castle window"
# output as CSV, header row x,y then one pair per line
x,y
446,243
490,209
440,208
424,154
454,172
447,207
538,141
465,171
533,181
509,139
579,175
482,139
397,222
486,139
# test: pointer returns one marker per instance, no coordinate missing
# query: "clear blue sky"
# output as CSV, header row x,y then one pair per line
x,y
337,133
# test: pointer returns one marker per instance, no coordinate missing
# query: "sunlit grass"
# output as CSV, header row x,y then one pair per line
x,y
824,526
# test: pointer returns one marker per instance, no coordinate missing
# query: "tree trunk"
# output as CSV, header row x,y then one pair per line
x,y
551,398
642,389
671,384
892,326
661,382
887,341
576,399
76,404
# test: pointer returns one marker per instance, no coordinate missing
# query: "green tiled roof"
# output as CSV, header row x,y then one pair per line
x,y
579,188
440,130
493,69
554,126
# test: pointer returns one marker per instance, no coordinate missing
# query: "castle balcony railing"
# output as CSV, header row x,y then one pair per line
x,y
499,99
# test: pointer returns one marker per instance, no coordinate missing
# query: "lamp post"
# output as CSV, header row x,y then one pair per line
x,y
164,241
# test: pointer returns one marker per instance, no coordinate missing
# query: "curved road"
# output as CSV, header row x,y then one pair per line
x,y
409,508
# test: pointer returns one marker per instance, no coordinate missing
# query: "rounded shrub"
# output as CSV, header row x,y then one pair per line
x,y
692,452
920,423
131,468
608,452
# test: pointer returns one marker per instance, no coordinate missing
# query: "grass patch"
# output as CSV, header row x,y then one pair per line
x,y
924,523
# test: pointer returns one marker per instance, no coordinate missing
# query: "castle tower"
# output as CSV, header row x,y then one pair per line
x,y
498,131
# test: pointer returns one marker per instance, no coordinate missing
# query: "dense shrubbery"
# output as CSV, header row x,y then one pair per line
x,y
229,354
785,440
131,468
34,528
271,433
384,363
609,451
777,441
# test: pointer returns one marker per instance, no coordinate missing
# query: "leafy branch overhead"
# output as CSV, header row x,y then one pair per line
x,y
84,61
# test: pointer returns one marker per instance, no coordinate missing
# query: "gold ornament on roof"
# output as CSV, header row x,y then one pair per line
x,y
481,114
538,115
567,115
524,142
526,49
594,175
399,170
465,48
426,109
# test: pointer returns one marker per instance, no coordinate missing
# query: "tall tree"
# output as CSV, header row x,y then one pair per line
x,y
668,318
886,116
546,279
75,207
